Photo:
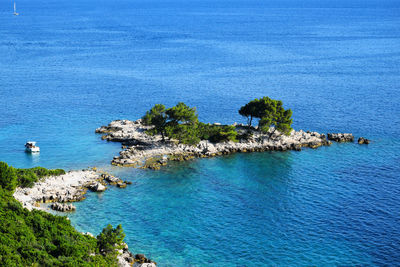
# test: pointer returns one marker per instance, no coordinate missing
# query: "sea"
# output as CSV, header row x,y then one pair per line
x,y
70,66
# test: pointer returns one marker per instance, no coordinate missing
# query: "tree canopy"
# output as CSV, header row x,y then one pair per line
x,y
158,118
270,113
181,123
107,239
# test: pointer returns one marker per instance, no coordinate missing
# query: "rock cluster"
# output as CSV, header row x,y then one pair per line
x,y
145,151
363,140
70,187
126,259
341,137
112,180
62,207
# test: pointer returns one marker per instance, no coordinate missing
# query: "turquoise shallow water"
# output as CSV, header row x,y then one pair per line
x,y
67,67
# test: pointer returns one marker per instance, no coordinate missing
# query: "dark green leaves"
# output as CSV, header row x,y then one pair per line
x,y
110,237
181,123
270,113
8,177
27,177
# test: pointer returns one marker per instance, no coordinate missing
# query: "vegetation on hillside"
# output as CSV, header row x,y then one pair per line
x,y
36,238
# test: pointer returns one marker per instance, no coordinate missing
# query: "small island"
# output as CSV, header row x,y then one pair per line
x,y
176,134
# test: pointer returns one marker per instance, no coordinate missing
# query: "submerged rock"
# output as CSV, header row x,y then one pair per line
x,y
363,140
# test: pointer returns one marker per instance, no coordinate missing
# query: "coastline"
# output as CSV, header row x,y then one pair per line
x,y
146,151
70,187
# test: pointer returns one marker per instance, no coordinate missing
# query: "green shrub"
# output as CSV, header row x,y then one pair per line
x,y
217,133
27,177
8,177
107,239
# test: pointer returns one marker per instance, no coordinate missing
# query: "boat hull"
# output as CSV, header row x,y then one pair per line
x,y
32,149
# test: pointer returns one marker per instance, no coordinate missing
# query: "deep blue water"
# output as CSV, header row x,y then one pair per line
x,y
67,67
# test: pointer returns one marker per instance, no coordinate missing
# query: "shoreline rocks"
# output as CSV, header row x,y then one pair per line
x,y
62,207
127,259
66,188
141,150
341,137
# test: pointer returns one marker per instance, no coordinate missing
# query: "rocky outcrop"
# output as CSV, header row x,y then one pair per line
x,y
126,259
145,151
62,207
97,187
137,264
112,180
70,187
364,141
341,137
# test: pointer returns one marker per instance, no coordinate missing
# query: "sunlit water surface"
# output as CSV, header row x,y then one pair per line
x,y
67,67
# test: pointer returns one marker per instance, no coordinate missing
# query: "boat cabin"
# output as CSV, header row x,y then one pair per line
x,y
30,146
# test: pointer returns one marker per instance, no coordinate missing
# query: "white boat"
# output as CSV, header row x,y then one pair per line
x,y
15,9
31,147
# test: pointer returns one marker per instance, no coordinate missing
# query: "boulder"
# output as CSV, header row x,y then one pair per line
x,y
62,207
97,187
121,185
363,140
141,260
341,137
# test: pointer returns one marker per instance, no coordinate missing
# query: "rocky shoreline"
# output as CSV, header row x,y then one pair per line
x,y
71,187
66,188
145,151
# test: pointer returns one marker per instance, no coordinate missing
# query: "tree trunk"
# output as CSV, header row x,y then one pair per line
x,y
163,136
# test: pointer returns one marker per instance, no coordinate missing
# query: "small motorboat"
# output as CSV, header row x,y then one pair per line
x,y
31,147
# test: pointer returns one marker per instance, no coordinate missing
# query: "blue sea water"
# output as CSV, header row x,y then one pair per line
x,y
67,67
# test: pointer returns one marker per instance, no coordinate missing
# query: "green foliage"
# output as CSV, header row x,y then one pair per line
x,y
8,177
181,123
249,110
28,177
269,112
182,113
110,237
177,122
36,238
158,118
217,133
184,133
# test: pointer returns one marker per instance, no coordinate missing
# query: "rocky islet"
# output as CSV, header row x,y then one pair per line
x,y
140,149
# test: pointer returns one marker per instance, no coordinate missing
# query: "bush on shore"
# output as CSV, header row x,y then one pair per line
x,y
28,177
37,238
